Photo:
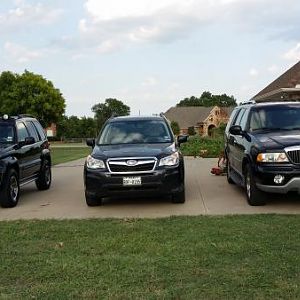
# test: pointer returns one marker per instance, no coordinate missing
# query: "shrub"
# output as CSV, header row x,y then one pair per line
x,y
203,146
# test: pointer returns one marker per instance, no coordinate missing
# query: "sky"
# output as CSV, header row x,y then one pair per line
x,y
150,54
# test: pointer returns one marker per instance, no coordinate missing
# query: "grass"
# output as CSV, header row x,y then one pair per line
x,y
203,146
233,257
64,154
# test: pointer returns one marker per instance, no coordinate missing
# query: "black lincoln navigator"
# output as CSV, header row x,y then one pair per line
x,y
263,149
135,156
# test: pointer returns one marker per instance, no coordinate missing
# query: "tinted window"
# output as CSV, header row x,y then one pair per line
x,y
7,134
232,117
239,117
22,132
40,130
32,131
135,132
244,120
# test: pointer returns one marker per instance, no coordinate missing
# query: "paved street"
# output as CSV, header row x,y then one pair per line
x,y
206,194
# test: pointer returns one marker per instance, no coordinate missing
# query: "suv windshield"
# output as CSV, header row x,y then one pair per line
x,y
135,132
6,134
279,117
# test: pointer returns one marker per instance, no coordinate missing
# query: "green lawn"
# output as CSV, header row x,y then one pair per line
x,y
65,154
234,257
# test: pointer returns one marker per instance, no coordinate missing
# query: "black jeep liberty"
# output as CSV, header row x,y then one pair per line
x,y
24,157
262,146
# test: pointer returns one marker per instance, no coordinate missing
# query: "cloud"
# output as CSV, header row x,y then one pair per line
x,y
24,14
293,54
253,72
273,69
150,81
109,26
21,54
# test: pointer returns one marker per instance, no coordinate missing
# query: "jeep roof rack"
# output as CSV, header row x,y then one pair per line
x,y
25,116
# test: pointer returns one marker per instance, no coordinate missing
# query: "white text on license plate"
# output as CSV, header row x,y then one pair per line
x,y
132,181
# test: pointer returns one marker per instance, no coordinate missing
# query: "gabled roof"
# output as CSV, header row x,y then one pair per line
x,y
188,116
288,80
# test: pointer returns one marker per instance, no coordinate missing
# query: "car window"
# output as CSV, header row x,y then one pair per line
x,y
244,119
135,132
32,131
7,135
40,130
285,117
239,117
22,132
232,118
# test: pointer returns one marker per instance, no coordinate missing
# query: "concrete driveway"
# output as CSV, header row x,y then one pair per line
x,y
206,194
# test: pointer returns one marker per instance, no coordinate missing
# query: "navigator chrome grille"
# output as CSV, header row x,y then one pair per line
x,y
131,165
293,154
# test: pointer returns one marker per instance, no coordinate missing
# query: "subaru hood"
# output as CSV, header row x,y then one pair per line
x,y
133,150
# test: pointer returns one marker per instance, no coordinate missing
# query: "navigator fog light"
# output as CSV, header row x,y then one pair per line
x,y
278,179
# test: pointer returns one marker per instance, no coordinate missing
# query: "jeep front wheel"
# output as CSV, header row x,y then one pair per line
x,y
9,196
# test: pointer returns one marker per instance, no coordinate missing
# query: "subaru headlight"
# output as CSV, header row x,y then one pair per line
x,y
278,157
171,160
93,163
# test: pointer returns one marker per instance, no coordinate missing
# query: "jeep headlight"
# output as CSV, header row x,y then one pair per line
x,y
93,163
171,160
278,157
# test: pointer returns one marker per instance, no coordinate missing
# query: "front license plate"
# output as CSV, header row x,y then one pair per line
x,y
127,181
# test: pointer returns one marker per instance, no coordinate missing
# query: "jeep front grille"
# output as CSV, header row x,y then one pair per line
x,y
293,154
131,165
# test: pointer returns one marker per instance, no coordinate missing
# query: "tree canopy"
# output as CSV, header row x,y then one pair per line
x,y
74,127
32,94
208,99
104,111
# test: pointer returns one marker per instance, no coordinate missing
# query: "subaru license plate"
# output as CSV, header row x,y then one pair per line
x,y
128,181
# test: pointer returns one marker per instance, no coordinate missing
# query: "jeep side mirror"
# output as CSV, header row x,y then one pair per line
x,y
236,130
90,142
29,140
182,139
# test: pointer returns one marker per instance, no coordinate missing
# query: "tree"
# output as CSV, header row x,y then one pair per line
x,y
208,99
74,127
104,111
175,127
32,94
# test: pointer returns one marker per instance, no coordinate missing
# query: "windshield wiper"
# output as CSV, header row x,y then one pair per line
x,y
271,129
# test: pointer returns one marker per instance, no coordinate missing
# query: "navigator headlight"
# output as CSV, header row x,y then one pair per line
x,y
277,157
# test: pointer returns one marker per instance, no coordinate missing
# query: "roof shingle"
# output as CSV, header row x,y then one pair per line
x,y
289,79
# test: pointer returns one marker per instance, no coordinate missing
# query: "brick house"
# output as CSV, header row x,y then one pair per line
x,y
285,87
202,119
